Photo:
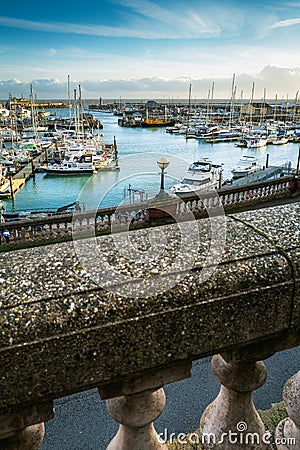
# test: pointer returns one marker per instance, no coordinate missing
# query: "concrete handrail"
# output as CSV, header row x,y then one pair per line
x,y
62,332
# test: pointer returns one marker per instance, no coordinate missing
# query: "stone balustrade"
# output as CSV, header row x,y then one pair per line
x,y
124,313
59,227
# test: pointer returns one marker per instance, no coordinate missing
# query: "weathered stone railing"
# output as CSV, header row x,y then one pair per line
x,y
59,227
64,329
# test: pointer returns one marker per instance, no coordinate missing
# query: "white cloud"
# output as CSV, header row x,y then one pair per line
x,y
148,20
143,32
282,81
286,23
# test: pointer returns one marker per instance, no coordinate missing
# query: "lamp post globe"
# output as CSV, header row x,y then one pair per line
x,y
163,163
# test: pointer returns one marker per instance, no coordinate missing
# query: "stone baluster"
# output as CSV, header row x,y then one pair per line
x,y
231,421
178,210
143,216
97,223
194,205
142,400
272,190
103,224
58,231
30,438
13,235
287,435
200,206
87,225
66,230
188,206
51,233
24,430
212,201
248,195
232,199
180,207
44,232
136,414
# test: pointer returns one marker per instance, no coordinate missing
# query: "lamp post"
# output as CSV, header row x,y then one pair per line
x,y
160,209
162,164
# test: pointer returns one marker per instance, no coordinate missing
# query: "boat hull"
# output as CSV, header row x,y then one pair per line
x,y
69,172
157,123
205,188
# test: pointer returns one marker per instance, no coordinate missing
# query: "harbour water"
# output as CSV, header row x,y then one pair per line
x,y
139,150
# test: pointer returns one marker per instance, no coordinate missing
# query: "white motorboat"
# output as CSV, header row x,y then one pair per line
x,y
246,166
200,176
256,141
83,166
280,140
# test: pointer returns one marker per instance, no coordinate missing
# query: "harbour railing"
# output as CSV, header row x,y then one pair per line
x,y
60,227
63,331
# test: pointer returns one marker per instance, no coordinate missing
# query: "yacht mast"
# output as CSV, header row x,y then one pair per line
x,y
251,104
295,106
275,108
207,107
80,112
241,105
189,108
233,89
69,96
212,99
32,112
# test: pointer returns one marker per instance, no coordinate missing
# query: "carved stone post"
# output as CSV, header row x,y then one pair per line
x,y
231,421
136,402
24,430
136,414
287,435
30,438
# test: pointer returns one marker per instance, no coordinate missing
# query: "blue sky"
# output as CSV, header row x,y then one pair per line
x,y
150,49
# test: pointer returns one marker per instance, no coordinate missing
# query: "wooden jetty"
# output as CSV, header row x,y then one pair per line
x,y
12,186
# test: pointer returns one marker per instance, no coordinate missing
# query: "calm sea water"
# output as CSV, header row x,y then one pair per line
x,y
139,149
